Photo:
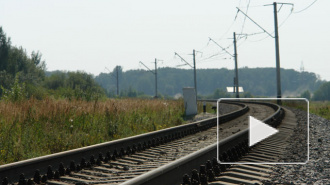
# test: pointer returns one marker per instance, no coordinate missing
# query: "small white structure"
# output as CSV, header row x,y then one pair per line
x,y
190,100
231,89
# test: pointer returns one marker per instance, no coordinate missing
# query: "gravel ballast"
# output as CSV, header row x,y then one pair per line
x,y
317,169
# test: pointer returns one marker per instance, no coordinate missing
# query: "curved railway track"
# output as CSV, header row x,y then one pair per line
x,y
147,158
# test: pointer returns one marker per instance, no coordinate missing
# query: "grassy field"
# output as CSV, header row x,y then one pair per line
x,y
320,108
34,128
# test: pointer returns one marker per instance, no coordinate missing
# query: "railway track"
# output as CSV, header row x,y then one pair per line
x,y
146,158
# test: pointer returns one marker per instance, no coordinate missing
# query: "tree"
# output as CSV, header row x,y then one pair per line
x,y
14,60
323,93
220,93
306,94
74,85
4,50
257,81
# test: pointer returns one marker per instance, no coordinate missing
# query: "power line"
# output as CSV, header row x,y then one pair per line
x,y
254,22
153,72
116,77
229,26
182,59
223,49
212,56
194,67
306,7
282,23
247,9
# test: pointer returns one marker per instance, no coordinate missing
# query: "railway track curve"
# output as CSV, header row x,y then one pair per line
x,y
130,159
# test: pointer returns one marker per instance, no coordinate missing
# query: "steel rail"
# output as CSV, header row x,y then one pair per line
x,y
11,172
172,173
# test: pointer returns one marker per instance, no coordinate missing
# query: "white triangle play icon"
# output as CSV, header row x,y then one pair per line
x,y
259,131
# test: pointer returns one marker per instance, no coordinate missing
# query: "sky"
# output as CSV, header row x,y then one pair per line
x,y
92,35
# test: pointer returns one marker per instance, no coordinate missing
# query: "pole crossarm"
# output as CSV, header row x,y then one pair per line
x,y
151,71
182,59
111,73
221,47
255,22
280,3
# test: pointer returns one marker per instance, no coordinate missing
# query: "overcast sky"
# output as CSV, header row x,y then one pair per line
x,y
90,35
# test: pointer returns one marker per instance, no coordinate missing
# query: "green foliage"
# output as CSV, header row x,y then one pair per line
x,y
257,81
247,95
219,93
306,94
131,93
320,108
4,50
73,85
323,93
16,93
32,81
15,60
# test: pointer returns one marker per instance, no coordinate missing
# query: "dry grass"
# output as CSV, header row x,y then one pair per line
x,y
34,128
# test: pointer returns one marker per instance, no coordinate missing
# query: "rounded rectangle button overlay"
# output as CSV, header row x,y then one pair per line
x,y
268,131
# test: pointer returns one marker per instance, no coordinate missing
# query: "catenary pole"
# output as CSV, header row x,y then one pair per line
x,y
236,70
195,81
156,78
277,49
117,80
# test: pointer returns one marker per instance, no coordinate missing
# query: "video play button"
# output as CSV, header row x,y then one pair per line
x,y
259,131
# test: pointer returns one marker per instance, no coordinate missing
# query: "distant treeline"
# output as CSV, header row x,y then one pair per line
x,y
256,81
24,76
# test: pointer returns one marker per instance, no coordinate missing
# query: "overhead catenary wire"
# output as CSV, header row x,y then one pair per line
x,y
281,24
255,22
241,39
212,56
223,49
247,9
306,7
231,25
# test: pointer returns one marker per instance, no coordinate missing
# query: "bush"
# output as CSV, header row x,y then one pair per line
x,y
16,93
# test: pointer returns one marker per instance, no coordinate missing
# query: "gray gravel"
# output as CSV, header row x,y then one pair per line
x,y
317,169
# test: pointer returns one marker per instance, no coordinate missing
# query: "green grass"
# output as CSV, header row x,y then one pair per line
x,y
320,108
208,107
35,128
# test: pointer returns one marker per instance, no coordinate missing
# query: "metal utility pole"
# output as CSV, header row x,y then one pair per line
x,y
277,49
153,72
277,46
236,70
117,80
236,86
156,77
117,77
194,67
195,81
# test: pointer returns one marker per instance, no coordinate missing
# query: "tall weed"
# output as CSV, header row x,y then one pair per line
x,y
32,127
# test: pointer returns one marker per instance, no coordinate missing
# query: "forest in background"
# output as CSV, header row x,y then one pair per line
x,y
255,81
24,75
